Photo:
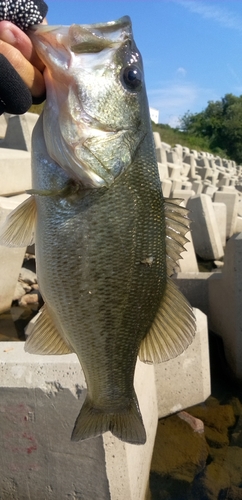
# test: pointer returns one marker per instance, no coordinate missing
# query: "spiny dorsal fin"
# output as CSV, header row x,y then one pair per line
x,y
18,228
177,225
173,328
45,338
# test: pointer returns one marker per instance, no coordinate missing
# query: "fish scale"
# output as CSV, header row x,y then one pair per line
x,y
112,295
106,240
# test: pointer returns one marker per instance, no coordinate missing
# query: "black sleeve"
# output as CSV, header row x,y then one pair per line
x,y
15,97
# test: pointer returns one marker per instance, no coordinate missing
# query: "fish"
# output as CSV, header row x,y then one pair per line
x,y
106,239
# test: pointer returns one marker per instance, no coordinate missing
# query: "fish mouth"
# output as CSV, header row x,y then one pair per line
x,y
107,27
85,38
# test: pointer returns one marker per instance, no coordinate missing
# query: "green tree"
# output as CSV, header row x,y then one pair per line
x,y
221,124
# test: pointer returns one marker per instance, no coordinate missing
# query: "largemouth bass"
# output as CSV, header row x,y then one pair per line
x,y
106,240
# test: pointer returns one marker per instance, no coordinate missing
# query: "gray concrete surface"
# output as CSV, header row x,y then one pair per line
x,y
225,304
15,171
205,232
40,398
19,131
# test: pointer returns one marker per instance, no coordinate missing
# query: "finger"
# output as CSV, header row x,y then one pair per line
x,y
31,76
15,37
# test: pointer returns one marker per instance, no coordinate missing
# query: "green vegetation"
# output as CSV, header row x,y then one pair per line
x,y
174,136
220,124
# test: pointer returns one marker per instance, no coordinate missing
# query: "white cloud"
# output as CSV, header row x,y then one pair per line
x,y
217,13
173,99
181,72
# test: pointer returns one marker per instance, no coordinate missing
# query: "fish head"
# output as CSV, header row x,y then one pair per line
x,y
96,114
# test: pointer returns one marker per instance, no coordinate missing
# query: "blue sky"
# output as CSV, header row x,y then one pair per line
x,y
192,49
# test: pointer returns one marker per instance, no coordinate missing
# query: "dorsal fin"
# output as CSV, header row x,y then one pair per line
x,y
18,227
177,225
172,330
45,338
174,326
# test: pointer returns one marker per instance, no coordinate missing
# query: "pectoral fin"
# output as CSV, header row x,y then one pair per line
x,y
18,228
173,328
45,338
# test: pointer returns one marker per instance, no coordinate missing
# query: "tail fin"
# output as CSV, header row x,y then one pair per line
x,y
126,425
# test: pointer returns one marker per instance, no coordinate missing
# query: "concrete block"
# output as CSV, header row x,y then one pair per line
x,y
3,125
223,180
190,160
163,171
19,131
183,194
204,172
185,151
202,160
220,211
188,262
231,202
218,161
166,186
174,170
194,152
202,154
40,398
186,185
157,139
205,232
238,228
240,206
161,155
195,288
176,184
11,259
225,299
173,157
209,189
15,171
166,146
228,189
197,186
179,149
185,380
185,169
213,177
232,181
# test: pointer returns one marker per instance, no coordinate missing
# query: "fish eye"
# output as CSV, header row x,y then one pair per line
x,y
132,78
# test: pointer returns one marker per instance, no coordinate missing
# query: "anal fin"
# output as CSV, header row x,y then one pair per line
x,y
173,328
18,228
45,338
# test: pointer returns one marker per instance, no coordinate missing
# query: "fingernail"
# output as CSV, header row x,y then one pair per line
x,y
8,37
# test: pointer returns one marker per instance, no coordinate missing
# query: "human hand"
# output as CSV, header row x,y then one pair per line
x,y
21,79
